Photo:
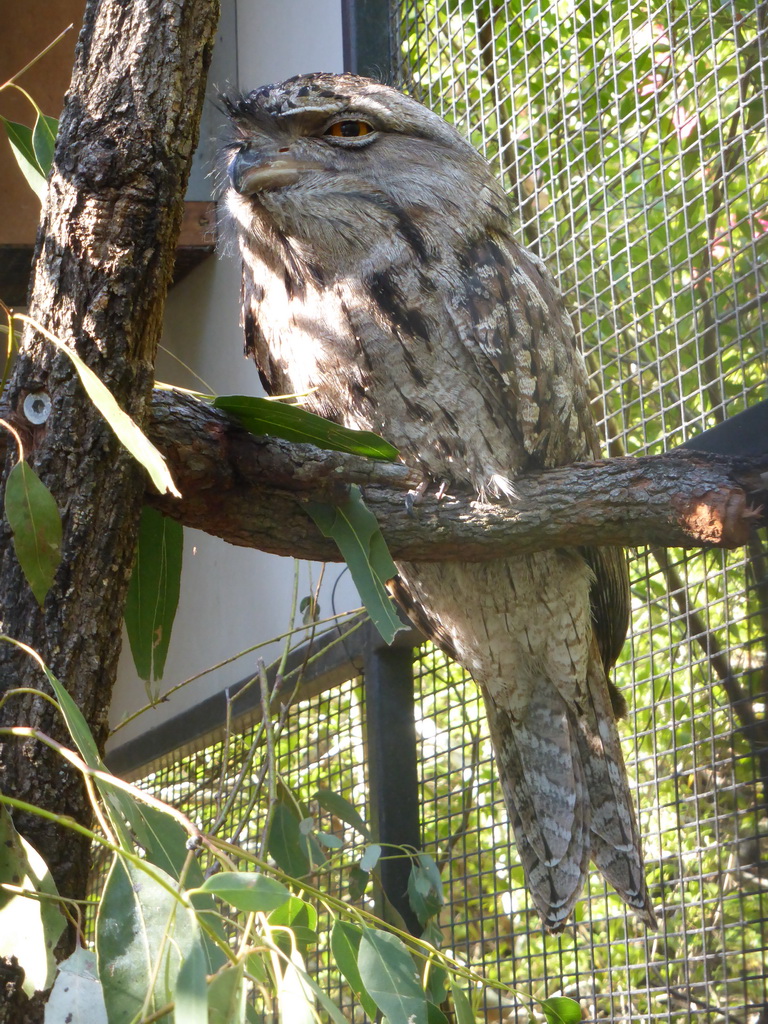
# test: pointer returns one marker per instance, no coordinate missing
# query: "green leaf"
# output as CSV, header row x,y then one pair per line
x,y
425,888
165,845
389,976
357,534
247,890
153,593
345,946
330,842
292,423
36,525
462,1007
435,1015
561,1010
341,808
436,985
44,141
370,857
226,997
286,843
295,852
301,918
118,803
29,928
191,993
357,882
142,932
77,994
128,433
20,138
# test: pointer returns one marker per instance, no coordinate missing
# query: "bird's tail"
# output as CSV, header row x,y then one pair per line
x,y
566,790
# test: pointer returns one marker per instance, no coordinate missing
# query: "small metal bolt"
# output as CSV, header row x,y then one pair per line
x,y
37,407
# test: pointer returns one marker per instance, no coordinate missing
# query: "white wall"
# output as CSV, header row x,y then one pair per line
x,y
231,598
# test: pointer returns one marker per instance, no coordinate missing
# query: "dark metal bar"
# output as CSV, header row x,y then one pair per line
x,y
393,782
744,434
367,38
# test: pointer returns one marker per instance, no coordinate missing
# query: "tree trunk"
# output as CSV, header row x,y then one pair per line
x,y
103,263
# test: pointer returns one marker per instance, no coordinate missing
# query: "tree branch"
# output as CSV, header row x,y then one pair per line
x,y
249,490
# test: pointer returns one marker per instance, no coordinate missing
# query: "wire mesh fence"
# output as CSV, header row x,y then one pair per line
x,y
632,139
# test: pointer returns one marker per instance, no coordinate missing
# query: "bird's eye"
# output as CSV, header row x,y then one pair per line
x,y
351,129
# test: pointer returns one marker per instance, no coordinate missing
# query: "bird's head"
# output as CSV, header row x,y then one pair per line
x,y
322,156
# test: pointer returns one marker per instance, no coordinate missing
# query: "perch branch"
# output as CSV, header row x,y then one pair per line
x,y
249,490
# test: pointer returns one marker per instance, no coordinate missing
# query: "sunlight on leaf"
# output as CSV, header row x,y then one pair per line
x,y
44,141
128,433
29,928
77,994
20,138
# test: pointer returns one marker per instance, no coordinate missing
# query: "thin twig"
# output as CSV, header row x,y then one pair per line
x,y
35,59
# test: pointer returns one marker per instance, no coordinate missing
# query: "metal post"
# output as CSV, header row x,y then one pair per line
x,y
392,764
367,38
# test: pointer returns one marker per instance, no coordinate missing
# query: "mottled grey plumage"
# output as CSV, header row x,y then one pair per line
x,y
381,276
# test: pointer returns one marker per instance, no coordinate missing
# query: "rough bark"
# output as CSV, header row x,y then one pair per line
x,y
249,490
104,258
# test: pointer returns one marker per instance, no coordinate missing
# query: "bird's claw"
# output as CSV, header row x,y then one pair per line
x,y
414,496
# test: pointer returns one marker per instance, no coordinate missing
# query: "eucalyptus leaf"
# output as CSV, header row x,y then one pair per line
x,y
425,888
247,890
462,1007
292,423
357,881
35,522
435,1015
29,927
561,1010
191,992
143,935
300,917
226,997
296,1001
153,593
127,432
44,141
119,805
340,807
77,994
345,946
389,976
370,857
356,532
286,844
20,138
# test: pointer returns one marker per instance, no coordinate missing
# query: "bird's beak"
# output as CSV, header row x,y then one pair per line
x,y
254,171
